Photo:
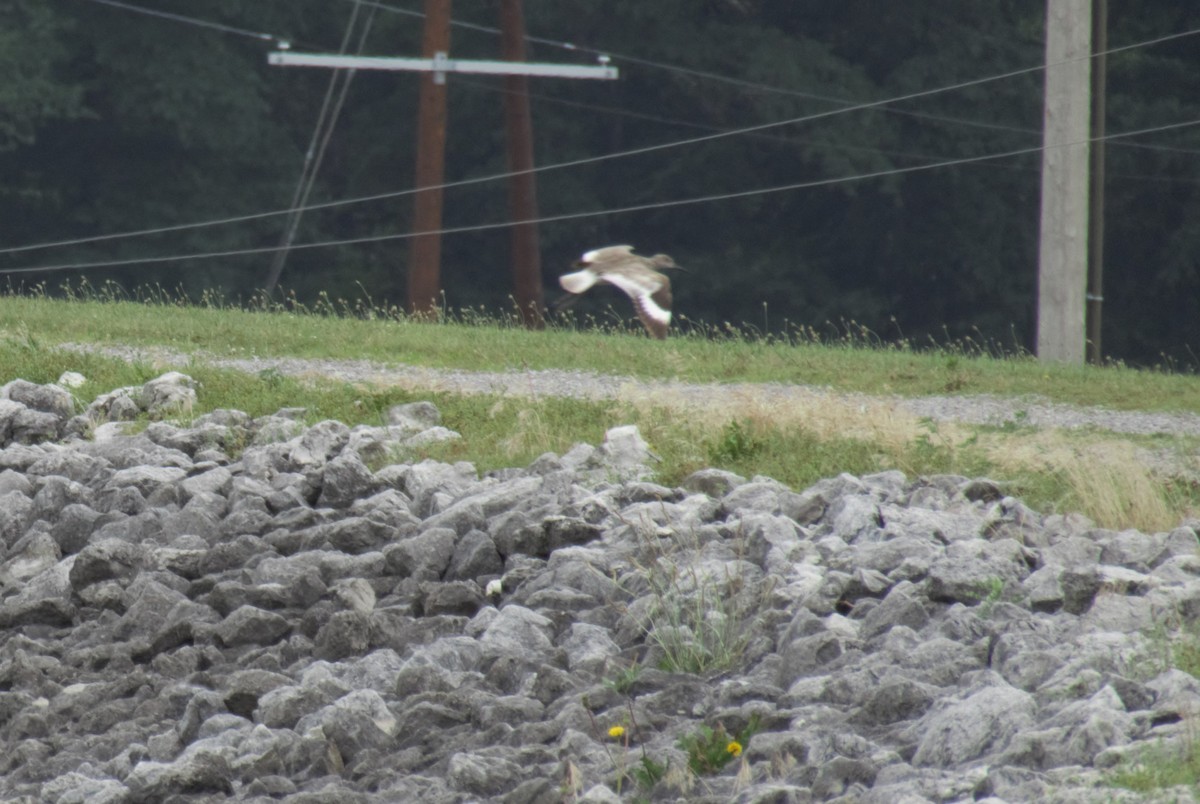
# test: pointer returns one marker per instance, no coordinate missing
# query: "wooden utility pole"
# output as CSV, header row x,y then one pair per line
x,y
425,251
1062,257
424,280
522,186
1095,291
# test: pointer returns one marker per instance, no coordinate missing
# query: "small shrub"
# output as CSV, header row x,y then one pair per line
x,y
623,680
709,750
737,442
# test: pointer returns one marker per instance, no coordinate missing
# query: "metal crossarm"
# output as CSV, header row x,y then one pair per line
x,y
440,64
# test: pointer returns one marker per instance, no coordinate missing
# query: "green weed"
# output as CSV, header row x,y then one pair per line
x,y
709,750
1161,768
990,594
1170,644
698,624
737,442
624,679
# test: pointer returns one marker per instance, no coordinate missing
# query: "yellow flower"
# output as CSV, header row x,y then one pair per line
x,y
734,748
616,732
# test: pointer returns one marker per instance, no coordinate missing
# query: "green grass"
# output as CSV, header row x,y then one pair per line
x,y
1173,643
848,358
797,443
1160,769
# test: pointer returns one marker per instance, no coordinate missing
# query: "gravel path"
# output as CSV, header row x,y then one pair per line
x,y
1032,411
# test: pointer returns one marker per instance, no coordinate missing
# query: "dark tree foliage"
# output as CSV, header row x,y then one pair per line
x,y
862,194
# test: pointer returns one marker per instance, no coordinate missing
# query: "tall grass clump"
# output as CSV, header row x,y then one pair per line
x,y
1099,475
696,627
698,599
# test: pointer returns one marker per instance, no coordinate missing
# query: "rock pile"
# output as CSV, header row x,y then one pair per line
x,y
255,610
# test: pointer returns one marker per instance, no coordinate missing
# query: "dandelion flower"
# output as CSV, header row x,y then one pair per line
x,y
616,732
734,748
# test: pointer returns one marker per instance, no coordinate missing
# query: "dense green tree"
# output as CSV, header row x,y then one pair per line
x,y
34,90
861,194
1152,252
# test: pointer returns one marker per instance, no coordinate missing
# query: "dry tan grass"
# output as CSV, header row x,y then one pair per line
x,y
823,415
531,432
1109,479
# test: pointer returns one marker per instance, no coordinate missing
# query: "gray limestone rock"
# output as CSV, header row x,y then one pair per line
x,y
316,620
980,724
424,556
249,625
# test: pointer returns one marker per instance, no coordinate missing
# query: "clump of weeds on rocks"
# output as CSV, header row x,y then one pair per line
x,y
624,679
645,771
709,750
698,621
1173,643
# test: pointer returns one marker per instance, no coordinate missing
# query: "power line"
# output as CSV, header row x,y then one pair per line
x,y
869,105
671,121
570,46
709,76
304,207
645,207
215,26
768,88
750,85
717,133
826,145
1163,148
315,155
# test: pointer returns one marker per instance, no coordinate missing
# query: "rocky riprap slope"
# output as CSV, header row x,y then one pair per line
x,y
254,609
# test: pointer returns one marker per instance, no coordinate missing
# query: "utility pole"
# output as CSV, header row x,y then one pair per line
x,y
522,187
1095,292
424,282
425,249
1062,257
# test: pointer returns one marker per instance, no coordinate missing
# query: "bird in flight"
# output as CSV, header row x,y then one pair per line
x,y
638,276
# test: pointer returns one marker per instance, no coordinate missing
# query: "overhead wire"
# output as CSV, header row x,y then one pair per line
x,y
570,46
315,155
719,133
586,160
867,105
816,144
752,85
670,121
196,21
643,207
709,76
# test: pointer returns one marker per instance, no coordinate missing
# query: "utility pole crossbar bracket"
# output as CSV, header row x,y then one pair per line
x,y
440,64
424,287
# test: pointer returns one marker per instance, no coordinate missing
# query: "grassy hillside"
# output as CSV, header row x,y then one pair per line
x,y
1100,474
